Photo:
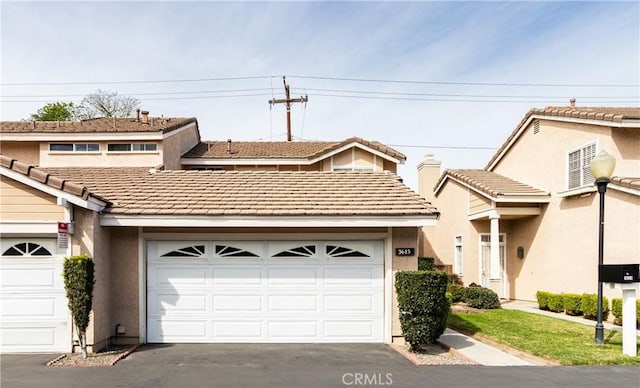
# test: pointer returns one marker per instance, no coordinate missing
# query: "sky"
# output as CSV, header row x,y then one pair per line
x,y
451,79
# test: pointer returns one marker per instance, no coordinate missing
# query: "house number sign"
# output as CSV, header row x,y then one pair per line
x,y
405,251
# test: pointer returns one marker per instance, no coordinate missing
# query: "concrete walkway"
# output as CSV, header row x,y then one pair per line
x,y
478,351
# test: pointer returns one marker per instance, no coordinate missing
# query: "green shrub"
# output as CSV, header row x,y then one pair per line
x,y
572,304
423,305
78,276
481,298
616,310
590,306
555,303
457,292
543,299
426,264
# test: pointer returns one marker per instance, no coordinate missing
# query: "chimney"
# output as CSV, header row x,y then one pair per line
x,y
572,102
428,175
138,115
145,116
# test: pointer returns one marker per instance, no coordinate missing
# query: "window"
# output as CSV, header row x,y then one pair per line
x,y
457,252
27,249
74,147
579,172
191,251
132,147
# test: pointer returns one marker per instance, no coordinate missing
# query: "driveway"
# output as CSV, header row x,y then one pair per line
x,y
292,365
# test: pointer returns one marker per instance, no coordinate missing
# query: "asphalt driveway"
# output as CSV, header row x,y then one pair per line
x,y
293,365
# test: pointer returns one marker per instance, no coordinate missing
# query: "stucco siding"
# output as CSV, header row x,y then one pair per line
x,y
103,158
19,202
123,249
402,238
174,146
24,151
478,203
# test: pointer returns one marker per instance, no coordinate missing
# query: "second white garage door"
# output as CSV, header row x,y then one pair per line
x,y
269,291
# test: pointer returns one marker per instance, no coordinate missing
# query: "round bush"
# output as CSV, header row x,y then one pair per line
x,y
589,306
543,299
481,298
556,303
457,293
572,304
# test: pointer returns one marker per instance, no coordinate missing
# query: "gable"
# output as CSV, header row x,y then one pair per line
x,y
19,202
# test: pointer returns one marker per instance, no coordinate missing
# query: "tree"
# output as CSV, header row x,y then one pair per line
x,y
106,104
78,276
55,111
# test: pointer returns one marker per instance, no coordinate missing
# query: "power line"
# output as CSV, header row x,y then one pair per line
x,y
464,83
137,81
144,93
441,147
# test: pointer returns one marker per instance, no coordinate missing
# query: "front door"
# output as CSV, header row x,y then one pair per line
x,y
497,285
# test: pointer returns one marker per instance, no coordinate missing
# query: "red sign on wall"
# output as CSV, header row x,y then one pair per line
x,y
63,235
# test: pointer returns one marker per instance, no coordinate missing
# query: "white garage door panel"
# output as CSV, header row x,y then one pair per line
x,y
33,306
329,292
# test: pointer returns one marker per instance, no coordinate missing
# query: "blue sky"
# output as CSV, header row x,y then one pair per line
x,y
458,43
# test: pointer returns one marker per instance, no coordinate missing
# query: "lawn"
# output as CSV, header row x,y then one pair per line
x,y
566,342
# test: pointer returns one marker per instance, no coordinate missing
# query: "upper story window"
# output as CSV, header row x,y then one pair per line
x,y
132,147
74,147
579,171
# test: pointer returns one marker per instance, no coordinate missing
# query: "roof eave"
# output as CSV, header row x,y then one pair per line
x,y
268,221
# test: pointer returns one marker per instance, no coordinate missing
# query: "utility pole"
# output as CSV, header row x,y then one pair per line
x,y
287,101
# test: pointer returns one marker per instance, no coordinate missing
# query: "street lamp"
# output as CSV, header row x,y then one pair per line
x,y
602,168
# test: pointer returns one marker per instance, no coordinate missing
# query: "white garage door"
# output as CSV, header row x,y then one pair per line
x,y
33,304
240,291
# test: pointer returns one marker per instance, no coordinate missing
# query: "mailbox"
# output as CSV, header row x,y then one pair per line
x,y
619,273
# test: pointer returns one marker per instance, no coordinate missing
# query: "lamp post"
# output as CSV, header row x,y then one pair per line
x,y
602,168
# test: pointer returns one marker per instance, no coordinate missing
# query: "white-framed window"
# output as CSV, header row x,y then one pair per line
x,y
74,147
132,147
457,255
578,169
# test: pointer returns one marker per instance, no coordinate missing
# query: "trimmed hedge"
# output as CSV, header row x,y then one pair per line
x,y
78,273
616,310
589,306
572,304
481,298
543,299
426,264
423,305
556,303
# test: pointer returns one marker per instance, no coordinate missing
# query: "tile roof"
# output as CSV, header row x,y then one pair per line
x,y
280,149
628,182
97,125
49,179
492,184
232,193
605,114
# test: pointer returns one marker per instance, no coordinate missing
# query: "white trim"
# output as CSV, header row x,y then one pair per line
x,y
595,142
142,289
31,227
458,271
577,191
91,203
388,287
240,236
282,161
503,274
247,222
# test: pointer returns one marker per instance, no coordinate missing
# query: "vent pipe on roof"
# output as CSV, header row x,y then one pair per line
x,y
145,116
228,146
572,102
138,115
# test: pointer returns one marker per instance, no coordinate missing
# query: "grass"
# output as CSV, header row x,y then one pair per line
x,y
567,343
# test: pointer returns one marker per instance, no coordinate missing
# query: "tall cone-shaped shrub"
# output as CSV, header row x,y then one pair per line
x,y
78,282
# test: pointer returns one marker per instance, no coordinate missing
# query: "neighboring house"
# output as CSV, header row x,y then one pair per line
x,y
201,256
528,221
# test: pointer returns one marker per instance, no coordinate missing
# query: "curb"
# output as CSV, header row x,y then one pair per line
x,y
52,362
408,355
457,353
125,354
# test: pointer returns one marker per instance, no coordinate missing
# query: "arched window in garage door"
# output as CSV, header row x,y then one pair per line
x,y
26,249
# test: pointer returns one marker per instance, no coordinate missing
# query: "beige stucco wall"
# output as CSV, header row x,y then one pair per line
x,y
174,146
560,245
92,239
124,283
19,202
24,151
99,159
402,238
